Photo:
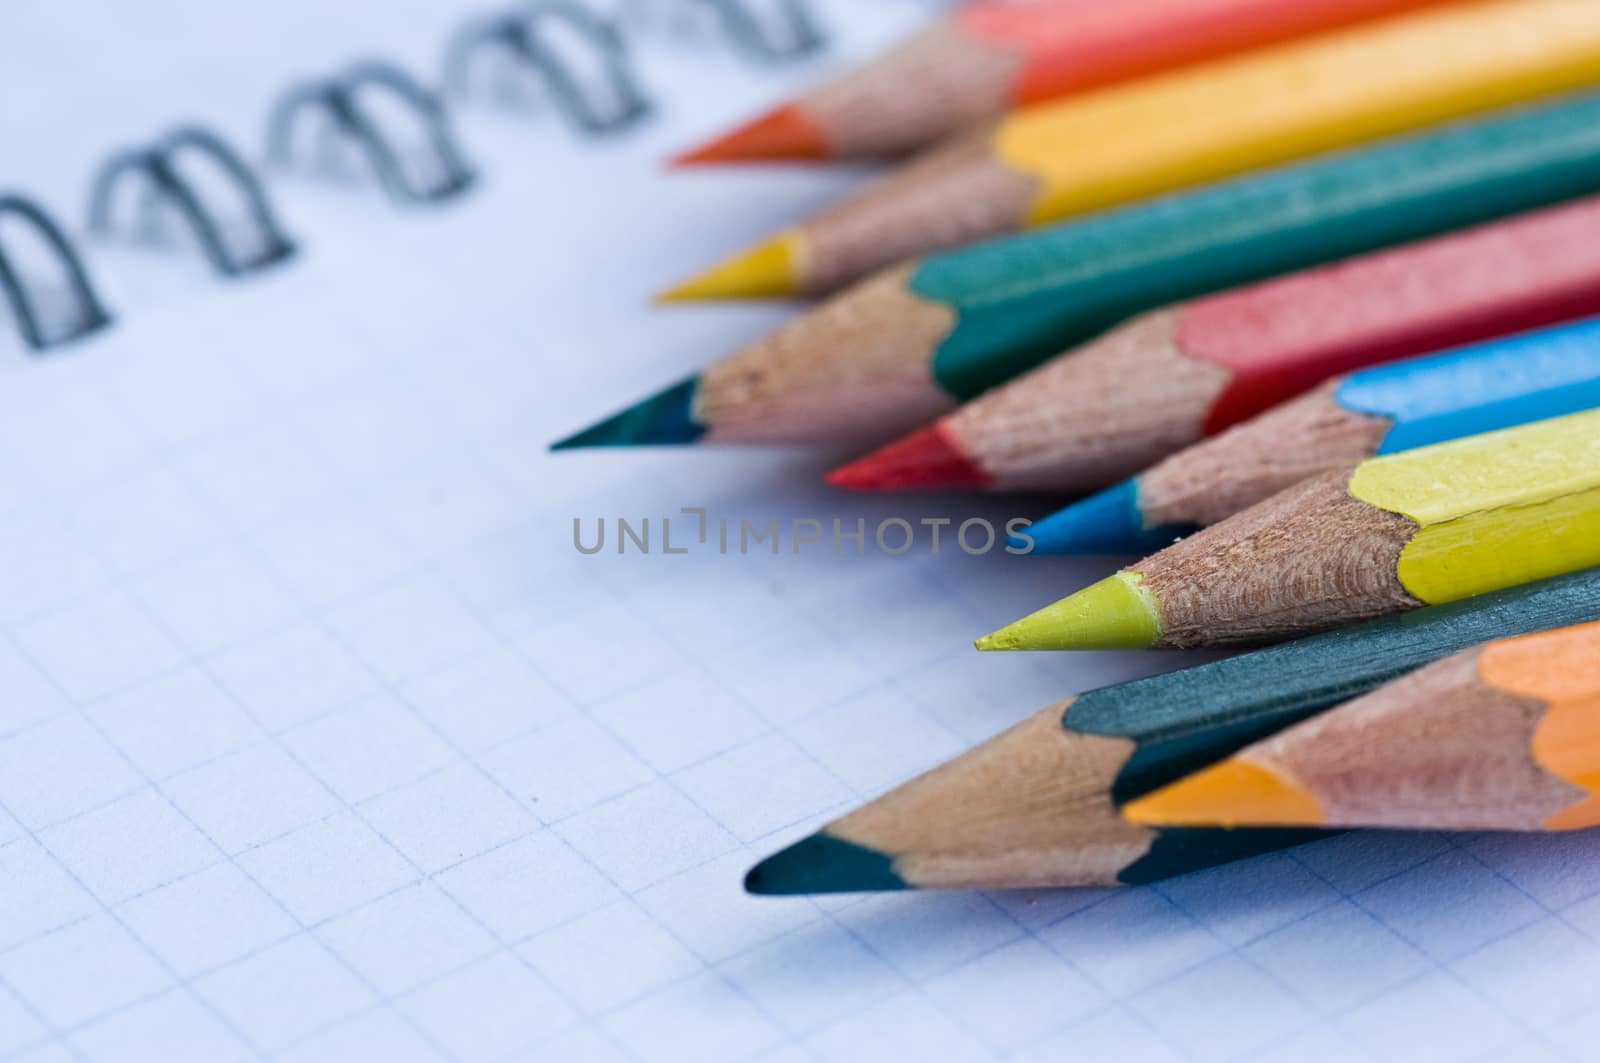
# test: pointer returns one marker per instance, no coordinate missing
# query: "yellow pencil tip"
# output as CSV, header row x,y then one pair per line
x,y
768,270
1235,793
1118,613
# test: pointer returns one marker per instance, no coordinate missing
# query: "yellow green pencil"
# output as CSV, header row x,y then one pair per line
x,y
1393,533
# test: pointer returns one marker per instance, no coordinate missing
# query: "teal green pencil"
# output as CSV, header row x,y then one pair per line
x,y
909,344
1041,804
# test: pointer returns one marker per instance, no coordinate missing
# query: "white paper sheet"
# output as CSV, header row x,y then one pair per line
x,y
319,739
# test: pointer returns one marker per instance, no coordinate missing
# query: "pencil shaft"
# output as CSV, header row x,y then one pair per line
x,y
1391,533
909,344
1040,805
1113,406
1279,336
1498,737
987,58
1189,718
1120,145
1074,47
1019,300
1492,510
1382,410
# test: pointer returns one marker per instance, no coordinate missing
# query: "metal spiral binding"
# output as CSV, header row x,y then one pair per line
x,y
339,98
789,32
159,165
786,31
522,34
92,313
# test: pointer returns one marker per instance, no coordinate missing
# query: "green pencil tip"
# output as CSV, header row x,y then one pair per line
x,y
1118,613
664,419
823,864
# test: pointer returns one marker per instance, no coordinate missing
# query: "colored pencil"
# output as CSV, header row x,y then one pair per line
x,y
1499,737
1129,142
988,58
906,346
1382,410
1129,398
1040,805
1389,534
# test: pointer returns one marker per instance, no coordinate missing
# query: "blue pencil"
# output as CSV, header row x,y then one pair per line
x,y
1381,410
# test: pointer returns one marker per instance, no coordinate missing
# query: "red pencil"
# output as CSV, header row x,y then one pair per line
x,y
1110,408
991,57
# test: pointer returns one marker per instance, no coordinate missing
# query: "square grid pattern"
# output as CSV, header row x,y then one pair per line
x,y
319,741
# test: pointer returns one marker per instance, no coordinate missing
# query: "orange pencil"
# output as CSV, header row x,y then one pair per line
x,y
1184,128
988,58
1500,737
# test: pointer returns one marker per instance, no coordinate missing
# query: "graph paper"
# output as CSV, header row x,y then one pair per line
x,y
319,739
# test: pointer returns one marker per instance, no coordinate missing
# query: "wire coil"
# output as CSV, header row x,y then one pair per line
x,y
25,306
580,57
161,166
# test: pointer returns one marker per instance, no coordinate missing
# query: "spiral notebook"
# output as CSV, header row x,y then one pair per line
x,y
319,739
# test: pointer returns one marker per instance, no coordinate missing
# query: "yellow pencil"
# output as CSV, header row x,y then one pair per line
x,y
1420,527
1500,737
1158,134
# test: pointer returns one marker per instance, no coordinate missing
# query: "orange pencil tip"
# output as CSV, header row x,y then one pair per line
x,y
1234,793
786,134
927,458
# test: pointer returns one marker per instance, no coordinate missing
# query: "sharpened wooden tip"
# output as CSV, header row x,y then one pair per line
x,y
784,134
1117,613
1235,793
928,457
768,270
823,864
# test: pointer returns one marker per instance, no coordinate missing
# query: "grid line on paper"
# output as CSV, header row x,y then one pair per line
x,y
834,918
185,984
421,875
904,978
125,928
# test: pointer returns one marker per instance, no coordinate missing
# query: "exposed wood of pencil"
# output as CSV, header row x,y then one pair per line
x,y
1439,749
937,82
1307,559
858,366
955,189
1251,462
1103,412
1030,807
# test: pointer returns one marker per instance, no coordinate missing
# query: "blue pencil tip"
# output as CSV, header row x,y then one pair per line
x,y
663,419
1108,523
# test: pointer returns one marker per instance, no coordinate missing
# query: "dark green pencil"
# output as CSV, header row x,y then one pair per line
x,y
1040,805
907,345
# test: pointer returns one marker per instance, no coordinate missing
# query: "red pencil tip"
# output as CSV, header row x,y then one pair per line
x,y
927,457
786,133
